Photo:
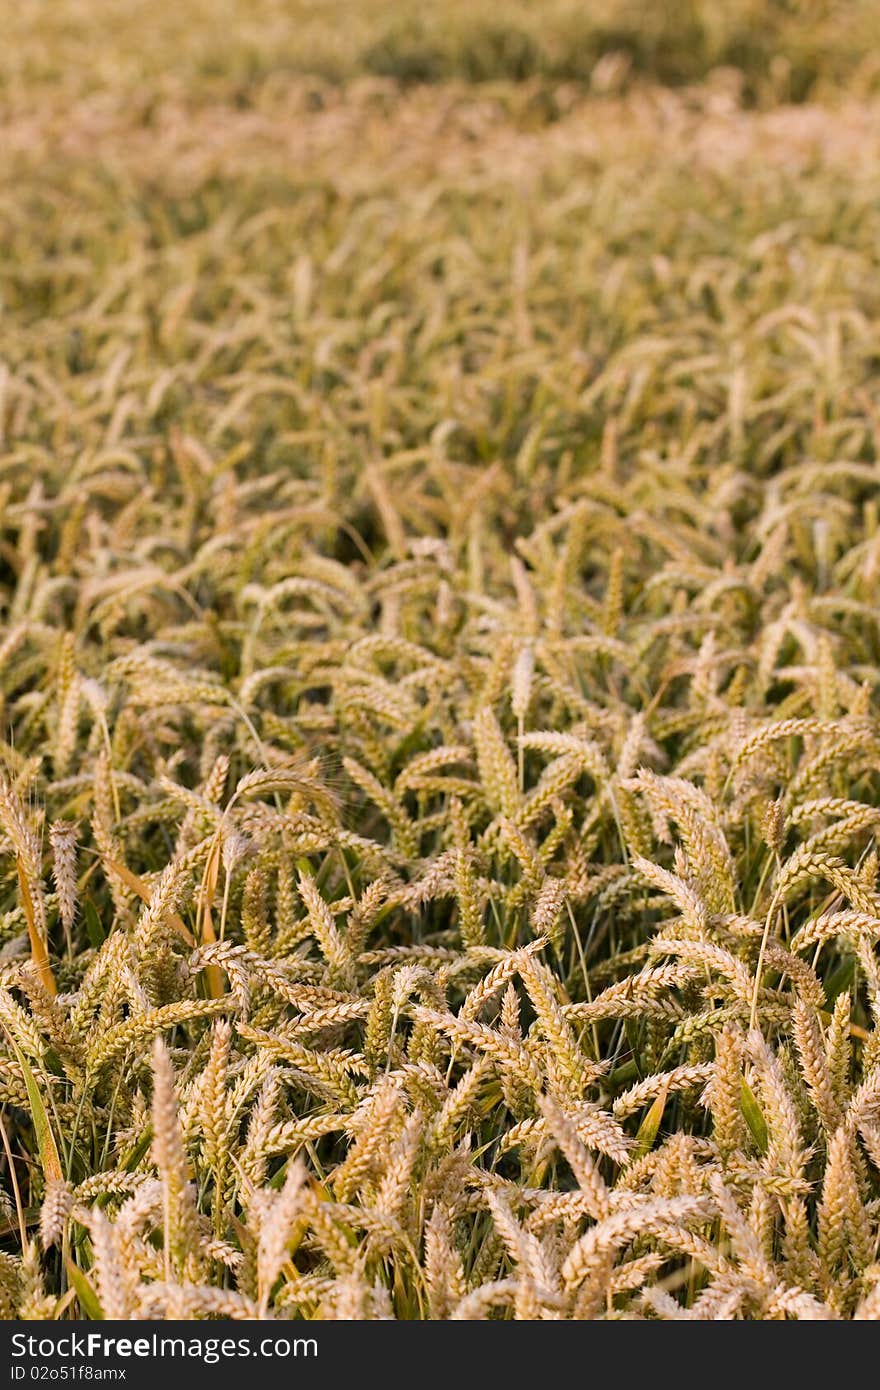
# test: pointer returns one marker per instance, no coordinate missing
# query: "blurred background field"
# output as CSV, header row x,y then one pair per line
x,y
191,194
784,49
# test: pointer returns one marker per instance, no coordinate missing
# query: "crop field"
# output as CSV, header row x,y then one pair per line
x,y
440,660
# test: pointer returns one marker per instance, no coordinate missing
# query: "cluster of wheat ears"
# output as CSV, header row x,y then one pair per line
x,y
439,562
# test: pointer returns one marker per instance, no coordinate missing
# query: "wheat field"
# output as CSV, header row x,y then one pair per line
x,y
439,660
